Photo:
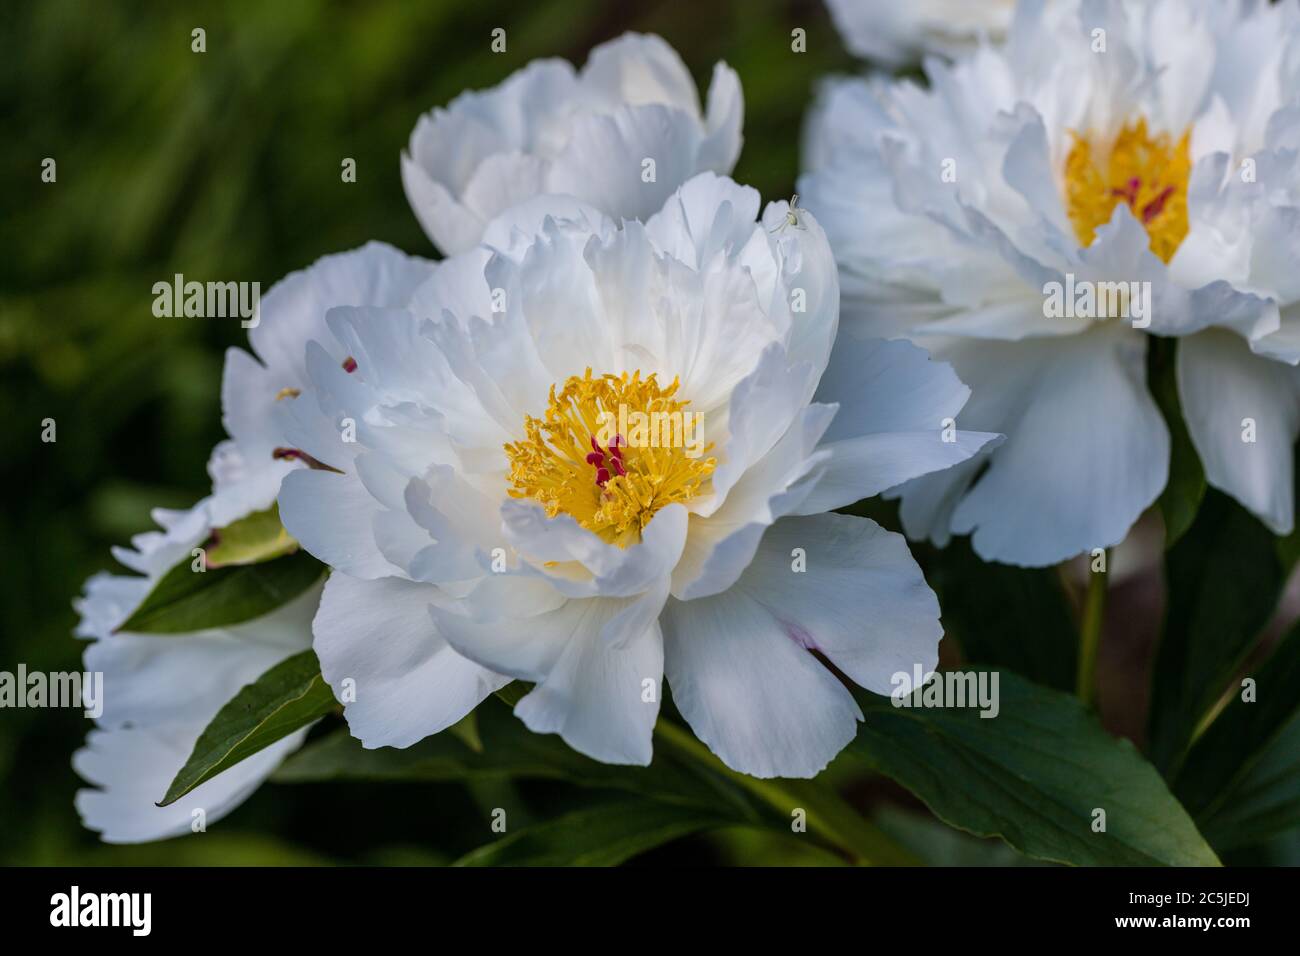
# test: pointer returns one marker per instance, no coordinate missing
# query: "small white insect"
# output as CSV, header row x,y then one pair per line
x,y
791,216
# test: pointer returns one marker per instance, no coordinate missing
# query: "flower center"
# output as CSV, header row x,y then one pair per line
x,y
611,451
1148,173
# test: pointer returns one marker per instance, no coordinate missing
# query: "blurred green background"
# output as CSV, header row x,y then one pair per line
x,y
226,165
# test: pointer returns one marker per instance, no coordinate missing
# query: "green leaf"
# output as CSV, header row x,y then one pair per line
x,y
1223,581
251,540
185,600
1265,801
603,835
1241,779
340,756
508,750
937,844
1033,775
288,697
1005,616
1185,488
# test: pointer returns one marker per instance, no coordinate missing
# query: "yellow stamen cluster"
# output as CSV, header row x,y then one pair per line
x,y
608,486
1147,172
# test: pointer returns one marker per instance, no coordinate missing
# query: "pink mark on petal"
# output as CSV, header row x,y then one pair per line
x,y
618,466
595,458
800,636
595,447
602,476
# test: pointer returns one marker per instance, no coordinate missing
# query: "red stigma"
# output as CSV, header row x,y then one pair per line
x,y
1156,206
1129,192
603,461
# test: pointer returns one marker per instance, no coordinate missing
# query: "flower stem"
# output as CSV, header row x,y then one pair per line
x,y
1094,610
829,815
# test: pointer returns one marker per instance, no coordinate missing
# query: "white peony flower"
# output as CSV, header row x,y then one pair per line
x,y
161,690
897,32
487,503
1146,144
621,135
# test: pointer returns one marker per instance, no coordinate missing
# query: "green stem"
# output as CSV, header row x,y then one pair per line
x,y
828,814
1094,610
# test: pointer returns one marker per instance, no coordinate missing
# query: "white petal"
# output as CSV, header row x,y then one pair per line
x,y
551,297
640,68
131,767
155,552
1012,320
448,223
895,411
720,326
928,502
1221,385
894,33
512,232
502,181
408,681
860,598
248,393
721,544
590,671
1086,451
1284,344
515,626
726,115
241,486
332,516
611,571
595,697
708,214
763,406
759,700
525,114
461,526
809,291
109,600
293,311
604,160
